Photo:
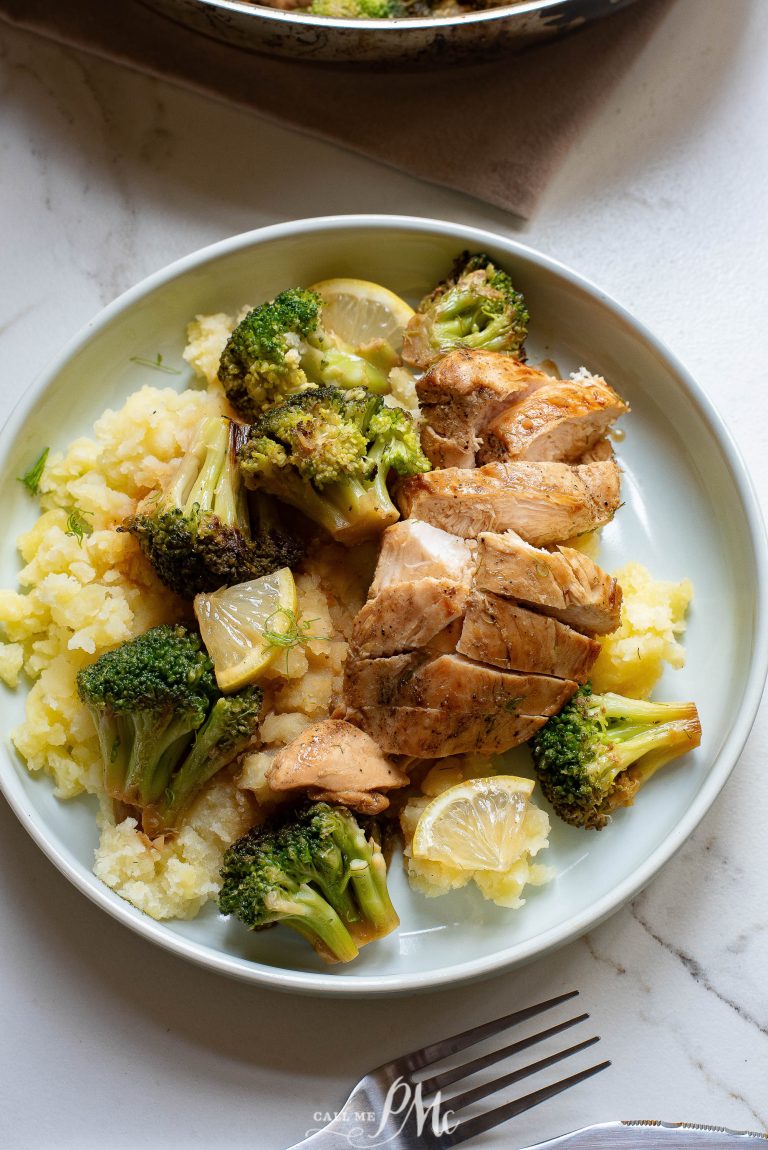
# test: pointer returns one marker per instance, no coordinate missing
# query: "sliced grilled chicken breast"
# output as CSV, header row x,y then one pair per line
x,y
336,761
446,450
503,633
461,394
450,682
412,550
409,616
559,421
598,452
424,733
542,502
563,583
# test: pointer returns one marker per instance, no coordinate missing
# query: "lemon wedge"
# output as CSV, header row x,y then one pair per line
x,y
233,622
360,312
477,825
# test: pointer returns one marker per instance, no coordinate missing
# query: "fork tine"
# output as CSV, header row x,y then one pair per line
x,y
447,1077
471,1127
461,1101
436,1051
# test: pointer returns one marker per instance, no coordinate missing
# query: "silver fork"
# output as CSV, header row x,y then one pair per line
x,y
394,1106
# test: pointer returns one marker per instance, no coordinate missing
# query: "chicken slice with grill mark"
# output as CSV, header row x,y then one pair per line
x,y
542,502
461,394
336,761
507,635
409,616
412,550
450,682
560,421
563,583
424,733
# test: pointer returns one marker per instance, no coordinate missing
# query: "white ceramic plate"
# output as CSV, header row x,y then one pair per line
x,y
688,511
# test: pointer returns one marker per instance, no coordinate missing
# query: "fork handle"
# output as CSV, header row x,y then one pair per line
x,y
322,1140
328,1137
654,1135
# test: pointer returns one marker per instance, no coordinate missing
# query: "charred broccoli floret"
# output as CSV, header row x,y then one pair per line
x,y
164,728
329,452
594,756
197,533
475,307
317,872
281,348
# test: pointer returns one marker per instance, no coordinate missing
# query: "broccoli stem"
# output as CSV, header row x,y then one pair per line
x,y
116,741
330,874
204,760
158,744
316,920
368,877
330,512
366,504
654,745
332,365
457,313
641,711
369,881
214,443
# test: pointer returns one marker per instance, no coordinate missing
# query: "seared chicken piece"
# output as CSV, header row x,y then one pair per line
x,y
337,762
422,733
564,583
559,421
451,683
461,394
444,451
599,451
409,616
543,502
411,550
501,632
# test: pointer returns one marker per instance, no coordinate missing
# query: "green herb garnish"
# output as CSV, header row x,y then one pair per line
x,y
156,363
296,634
78,525
31,479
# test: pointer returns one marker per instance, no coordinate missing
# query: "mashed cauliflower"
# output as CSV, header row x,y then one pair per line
x,y
79,597
652,620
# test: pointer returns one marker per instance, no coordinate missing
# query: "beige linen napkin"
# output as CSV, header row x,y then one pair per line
x,y
494,129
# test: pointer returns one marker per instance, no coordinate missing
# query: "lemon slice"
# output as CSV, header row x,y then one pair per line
x,y
233,621
476,825
361,312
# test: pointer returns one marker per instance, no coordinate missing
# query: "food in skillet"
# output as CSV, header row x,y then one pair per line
x,y
341,577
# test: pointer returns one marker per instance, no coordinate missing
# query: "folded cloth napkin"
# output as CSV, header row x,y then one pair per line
x,y
540,99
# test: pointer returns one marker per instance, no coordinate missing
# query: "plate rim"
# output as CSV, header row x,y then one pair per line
x,y
334,985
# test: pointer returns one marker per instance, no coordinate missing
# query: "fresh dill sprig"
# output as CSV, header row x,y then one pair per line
x,y
156,363
78,525
31,479
296,634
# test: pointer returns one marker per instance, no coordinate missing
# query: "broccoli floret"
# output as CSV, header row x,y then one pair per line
x,y
475,307
164,728
356,9
197,533
594,756
281,348
329,452
317,872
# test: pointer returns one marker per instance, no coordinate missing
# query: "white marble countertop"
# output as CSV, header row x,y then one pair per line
x,y
106,176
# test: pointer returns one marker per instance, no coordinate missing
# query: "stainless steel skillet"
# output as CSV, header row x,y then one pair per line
x,y
428,41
